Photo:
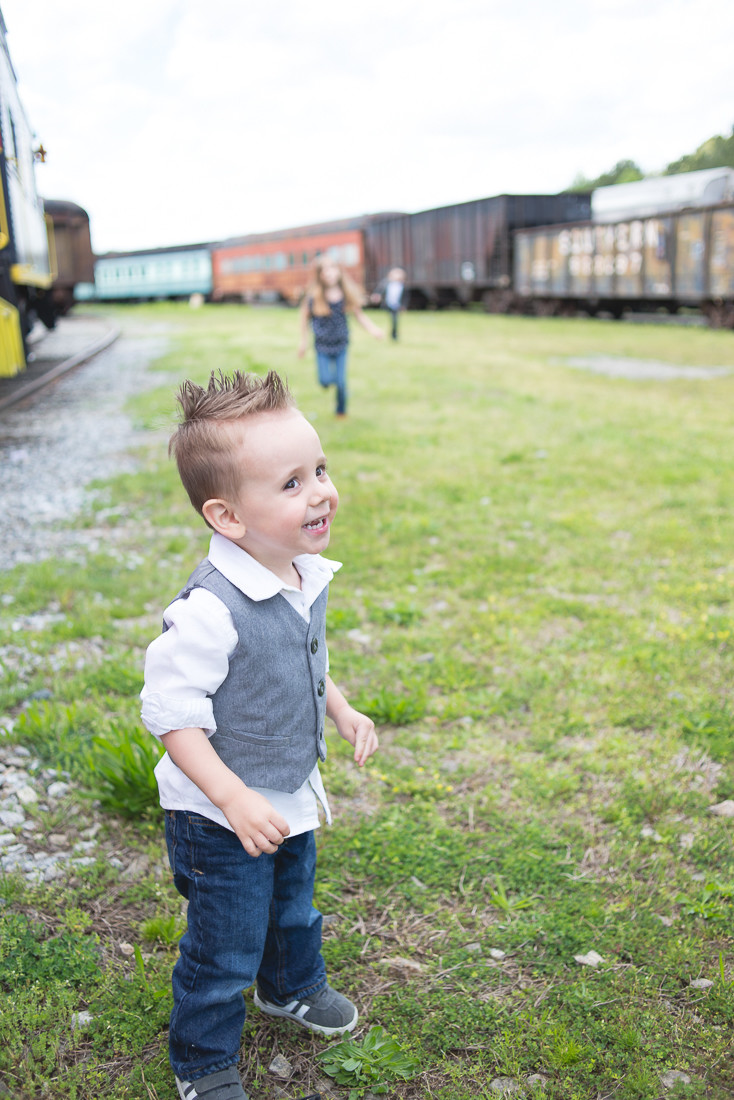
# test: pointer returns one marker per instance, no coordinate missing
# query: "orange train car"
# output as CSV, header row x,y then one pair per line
x,y
276,267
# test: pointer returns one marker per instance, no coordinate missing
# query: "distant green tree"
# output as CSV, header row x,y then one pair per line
x,y
624,171
717,152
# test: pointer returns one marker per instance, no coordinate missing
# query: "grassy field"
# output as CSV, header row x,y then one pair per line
x,y
536,608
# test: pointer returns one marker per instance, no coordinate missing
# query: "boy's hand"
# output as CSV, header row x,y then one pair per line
x,y
258,825
358,730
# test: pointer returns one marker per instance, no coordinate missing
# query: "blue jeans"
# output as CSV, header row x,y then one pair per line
x,y
333,372
247,919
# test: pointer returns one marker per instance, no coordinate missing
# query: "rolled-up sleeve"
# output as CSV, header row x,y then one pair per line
x,y
186,664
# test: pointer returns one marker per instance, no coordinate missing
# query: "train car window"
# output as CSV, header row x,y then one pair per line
x,y
13,138
291,260
351,255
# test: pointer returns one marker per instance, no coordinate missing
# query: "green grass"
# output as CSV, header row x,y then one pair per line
x,y
537,607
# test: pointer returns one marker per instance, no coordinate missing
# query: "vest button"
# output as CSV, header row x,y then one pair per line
x,y
321,688
314,644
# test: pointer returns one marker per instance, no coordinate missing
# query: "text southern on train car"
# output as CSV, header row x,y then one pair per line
x,y
681,259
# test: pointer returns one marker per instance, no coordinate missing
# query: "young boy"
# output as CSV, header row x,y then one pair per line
x,y
237,689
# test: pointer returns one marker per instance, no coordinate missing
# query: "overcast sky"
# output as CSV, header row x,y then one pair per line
x,y
179,121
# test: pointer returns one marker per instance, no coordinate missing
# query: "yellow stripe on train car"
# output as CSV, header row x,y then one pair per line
x,y
28,275
12,357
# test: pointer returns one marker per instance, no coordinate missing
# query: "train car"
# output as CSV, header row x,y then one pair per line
x,y
25,271
671,260
662,194
463,253
72,259
276,267
152,274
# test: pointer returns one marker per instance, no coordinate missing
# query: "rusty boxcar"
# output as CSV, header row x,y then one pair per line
x,y
672,260
462,253
70,247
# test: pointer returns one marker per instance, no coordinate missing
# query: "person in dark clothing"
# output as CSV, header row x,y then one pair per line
x,y
394,296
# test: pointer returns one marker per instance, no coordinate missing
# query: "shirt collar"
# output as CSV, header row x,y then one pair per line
x,y
258,582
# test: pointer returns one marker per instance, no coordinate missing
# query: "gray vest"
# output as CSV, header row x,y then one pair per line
x,y
271,707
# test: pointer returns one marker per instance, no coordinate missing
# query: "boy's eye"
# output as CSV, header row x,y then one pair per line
x,y
321,470
291,484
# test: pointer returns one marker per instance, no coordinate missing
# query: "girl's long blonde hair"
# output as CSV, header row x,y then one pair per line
x,y
353,293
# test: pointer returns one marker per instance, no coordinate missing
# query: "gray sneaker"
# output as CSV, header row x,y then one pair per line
x,y
327,1012
224,1085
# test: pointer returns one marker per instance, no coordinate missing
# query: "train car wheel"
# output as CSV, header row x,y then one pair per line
x,y
545,307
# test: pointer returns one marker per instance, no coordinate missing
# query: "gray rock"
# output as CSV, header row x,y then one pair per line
x,y
280,1066
11,818
58,789
504,1086
673,1077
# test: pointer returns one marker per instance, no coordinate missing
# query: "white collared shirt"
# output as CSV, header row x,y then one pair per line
x,y
186,664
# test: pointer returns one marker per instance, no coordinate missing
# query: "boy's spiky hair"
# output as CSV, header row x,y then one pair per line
x,y
204,444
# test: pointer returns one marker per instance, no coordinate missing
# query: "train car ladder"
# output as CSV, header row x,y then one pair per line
x,y
12,357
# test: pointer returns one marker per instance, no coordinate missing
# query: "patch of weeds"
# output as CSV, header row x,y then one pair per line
x,y
712,730
166,931
119,768
720,1000
508,905
696,1090
392,708
394,613
647,798
52,729
418,784
30,956
713,903
371,1064
111,677
342,619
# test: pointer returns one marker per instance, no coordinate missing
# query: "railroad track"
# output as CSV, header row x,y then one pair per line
x,y
75,340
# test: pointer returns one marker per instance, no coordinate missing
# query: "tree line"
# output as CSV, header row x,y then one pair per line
x,y
716,152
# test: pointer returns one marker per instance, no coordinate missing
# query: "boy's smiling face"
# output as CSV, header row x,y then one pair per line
x,y
286,501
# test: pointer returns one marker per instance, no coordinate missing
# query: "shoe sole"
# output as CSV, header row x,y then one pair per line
x,y
274,1010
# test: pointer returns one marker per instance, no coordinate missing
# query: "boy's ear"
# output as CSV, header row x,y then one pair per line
x,y
220,515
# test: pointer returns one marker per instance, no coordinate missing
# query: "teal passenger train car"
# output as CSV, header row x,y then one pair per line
x,y
150,275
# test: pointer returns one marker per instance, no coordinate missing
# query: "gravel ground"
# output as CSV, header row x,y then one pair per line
x,y
55,443
52,445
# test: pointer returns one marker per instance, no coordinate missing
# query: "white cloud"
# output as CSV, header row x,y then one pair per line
x,y
175,121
